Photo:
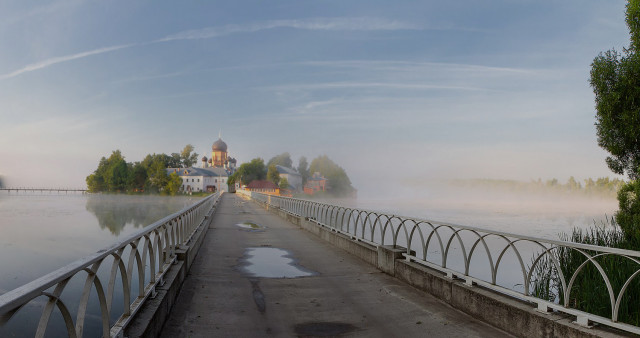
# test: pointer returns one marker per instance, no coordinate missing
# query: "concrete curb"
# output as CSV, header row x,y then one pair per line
x,y
515,317
148,322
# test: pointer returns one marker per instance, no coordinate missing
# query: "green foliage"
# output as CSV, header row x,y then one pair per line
x,y
114,174
589,292
338,181
628,215
188,157
111,175
283,159
284,183
273,175
157,174
248,172
303,169
137,177
173,184
166,160
615,79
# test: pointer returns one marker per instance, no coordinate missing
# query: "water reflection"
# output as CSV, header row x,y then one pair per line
x,y
272,263
114,212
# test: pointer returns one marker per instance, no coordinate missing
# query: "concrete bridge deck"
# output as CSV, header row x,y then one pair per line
x,y
347,297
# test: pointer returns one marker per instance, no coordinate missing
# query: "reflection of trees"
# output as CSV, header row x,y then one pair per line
x,y
114,212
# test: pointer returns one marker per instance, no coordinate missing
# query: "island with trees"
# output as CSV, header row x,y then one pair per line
x,y
338,182
150,175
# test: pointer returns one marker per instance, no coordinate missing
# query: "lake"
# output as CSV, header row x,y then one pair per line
x,y
40,233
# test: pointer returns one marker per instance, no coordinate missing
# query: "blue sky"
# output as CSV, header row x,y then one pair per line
x,y
392,91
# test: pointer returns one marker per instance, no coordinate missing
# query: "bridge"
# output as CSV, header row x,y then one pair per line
x,y
43,190
250,264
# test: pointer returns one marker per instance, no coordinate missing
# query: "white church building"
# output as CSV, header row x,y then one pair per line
x,y
212,175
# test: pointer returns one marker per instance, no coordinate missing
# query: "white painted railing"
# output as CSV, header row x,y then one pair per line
x,y
140,262
491,259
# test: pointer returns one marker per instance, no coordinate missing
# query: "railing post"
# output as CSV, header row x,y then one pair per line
x,y
387,256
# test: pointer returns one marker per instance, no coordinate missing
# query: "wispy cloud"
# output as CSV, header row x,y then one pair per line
x,y
66,58
411,66
327,24
340,85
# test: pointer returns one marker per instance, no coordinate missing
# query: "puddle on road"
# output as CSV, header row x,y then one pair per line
x,y
251,226
271,263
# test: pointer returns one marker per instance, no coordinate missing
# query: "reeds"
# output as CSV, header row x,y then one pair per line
x,y
589,292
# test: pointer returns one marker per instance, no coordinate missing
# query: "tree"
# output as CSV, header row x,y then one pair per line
x,y
174,182
283,159
95,181
166,160
303,169
284,183
339,183
157,174
248,172
137,177
111,175
273,175
189,158
115,175
615,79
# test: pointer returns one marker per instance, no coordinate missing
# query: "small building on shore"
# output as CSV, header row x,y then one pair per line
x,y
315,183
292,176
202,179
263,186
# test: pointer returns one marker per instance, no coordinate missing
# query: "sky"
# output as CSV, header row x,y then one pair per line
x,y
391,91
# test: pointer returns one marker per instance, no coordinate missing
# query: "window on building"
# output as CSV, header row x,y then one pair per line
x,y
198,180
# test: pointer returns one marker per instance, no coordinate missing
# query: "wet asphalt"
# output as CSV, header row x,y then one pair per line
x,y
226,295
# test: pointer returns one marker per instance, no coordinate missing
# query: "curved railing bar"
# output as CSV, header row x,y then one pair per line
x,y
422,242
406,233
556,264
591,259
511,244
486,248
92,280
622,291
13,301
380,223
630,253
435,231
462,247
48,308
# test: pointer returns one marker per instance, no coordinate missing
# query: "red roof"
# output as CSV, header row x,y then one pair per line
x,y
262,185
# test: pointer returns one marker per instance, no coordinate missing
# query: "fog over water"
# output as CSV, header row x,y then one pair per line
x,y
534,213
42,232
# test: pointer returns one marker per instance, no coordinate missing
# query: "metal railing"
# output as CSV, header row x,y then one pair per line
x,y
42,190
143,259
492,259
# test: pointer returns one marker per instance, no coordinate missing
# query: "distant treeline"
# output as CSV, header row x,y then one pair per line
x,y
602,186
114,174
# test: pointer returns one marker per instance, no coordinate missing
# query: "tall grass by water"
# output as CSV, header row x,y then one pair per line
x,y
589,292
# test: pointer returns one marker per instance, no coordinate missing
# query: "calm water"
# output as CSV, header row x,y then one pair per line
x,y
538,215
42,232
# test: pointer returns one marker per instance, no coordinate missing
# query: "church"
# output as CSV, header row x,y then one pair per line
x,y
213,173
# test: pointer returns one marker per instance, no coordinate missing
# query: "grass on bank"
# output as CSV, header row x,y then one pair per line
x,y
589,292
